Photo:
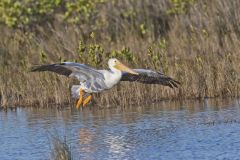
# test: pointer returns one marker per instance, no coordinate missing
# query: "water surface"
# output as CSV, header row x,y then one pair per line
x,y
208,129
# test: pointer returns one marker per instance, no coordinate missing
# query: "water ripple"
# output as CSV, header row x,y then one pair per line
x,y
187,130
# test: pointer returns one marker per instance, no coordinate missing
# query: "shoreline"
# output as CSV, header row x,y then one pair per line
x,y
98,106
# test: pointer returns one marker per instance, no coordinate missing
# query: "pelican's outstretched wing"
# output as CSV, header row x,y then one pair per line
x,y
150,77
70,69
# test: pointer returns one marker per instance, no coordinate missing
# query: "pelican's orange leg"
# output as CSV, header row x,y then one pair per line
x,y
79,102
87,100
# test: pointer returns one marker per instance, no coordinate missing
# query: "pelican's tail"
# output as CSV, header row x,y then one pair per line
x,y
75,91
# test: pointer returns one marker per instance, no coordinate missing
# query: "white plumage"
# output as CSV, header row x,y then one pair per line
x,y
93,80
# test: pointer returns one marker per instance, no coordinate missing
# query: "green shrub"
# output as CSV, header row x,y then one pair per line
x,y
20,13
180,6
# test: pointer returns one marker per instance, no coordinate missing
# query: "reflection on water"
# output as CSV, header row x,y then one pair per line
x,y
86,137
206,129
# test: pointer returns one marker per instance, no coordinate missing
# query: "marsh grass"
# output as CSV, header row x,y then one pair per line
x,y
60,150
198,46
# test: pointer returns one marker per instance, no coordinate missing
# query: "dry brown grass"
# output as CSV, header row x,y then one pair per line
x,y
199,48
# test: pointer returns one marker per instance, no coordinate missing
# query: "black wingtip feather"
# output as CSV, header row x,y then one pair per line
x,y
57,68
172,83
175,83
38,68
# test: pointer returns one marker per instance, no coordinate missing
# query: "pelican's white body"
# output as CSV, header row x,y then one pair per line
x,y
111,78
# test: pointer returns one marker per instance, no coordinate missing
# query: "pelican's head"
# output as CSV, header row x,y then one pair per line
x,y
115,64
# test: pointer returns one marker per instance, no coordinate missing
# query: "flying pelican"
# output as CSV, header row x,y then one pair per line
x,y
93,80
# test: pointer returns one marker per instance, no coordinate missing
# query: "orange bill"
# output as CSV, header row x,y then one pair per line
x,y
124,68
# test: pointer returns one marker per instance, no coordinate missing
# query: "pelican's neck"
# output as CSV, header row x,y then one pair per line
x,y
115,73
112,77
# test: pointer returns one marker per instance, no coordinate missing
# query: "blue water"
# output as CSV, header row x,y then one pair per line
x,y
208,129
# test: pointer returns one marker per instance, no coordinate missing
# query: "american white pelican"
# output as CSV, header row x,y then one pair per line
x,y
93,80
